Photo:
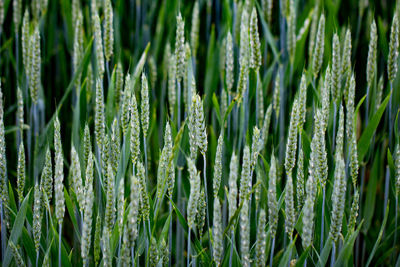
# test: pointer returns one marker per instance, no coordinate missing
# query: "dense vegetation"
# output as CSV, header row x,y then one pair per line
x,y
226,132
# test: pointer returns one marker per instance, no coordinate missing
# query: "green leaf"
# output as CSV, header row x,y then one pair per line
x,y
369,206
378,240
17,229
288,254
365,139
347,249
216,106
323,258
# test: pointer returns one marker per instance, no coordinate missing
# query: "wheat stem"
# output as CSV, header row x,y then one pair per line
x,y
322,220
188,251
59,243
206,193
271,257
333,254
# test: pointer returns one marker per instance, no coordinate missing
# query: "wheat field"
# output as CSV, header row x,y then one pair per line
x,y
199,133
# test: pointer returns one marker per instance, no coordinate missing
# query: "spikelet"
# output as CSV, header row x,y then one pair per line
x,y
78,47
106,248
126,102
25,41
119,85
153,253
244,55
88,212
308,221
302,102
36,7
265,125
397,167
17,11
272,198
172,75
165,158
393,49
224,104
233,192
372,52
313,170
300,180
135,131
192,129
37,217
255,51
258,188
291,30
325,98
76,181
21,173
115,146
171,166
19,261
58,173
98,44
35,62
20,110
96,244
218,165
46,180
313,31
3,163
217,232
338,199
350,107
354,159
261,239
194,194
339,136
318,54
108,30
255,148
379,91
133,215
180,47
194,33
322,155
99,117
336,68
201,134
245,234
144,105
110,199
144,205
277,95
291,146
125,250
346,56
260,103
201,212
267,7
153,71
87,144
121,205
164,253
229,63
245,179
354,210
289,206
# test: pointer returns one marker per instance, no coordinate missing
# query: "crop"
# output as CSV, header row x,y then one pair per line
x,y
199,133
